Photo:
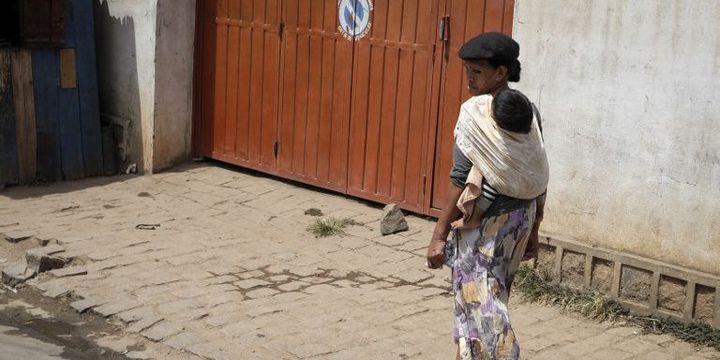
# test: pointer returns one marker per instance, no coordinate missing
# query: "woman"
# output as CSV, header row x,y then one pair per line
x,y
496,208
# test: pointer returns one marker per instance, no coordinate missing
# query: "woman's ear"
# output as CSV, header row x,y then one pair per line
x,y
501,73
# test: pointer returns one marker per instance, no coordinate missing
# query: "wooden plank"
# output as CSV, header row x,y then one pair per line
x,y
341,108
301,95
69,113
420,116
41,22
232,81
57,12
68,69
257,56
326,135
401,139
366,107
220,94
271,86
313,99
388,110
87,82
8,132
245,95
25,115
46,90
289,93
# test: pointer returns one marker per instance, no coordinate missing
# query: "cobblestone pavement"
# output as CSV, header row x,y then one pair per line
x,y
222,267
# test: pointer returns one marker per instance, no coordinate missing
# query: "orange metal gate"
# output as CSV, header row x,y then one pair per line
x,y
236,97
391,113
284,87
315,114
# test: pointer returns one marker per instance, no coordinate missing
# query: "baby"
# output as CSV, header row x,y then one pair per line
x,y
513,112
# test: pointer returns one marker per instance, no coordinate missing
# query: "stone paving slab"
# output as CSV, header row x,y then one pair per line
x,y
216,264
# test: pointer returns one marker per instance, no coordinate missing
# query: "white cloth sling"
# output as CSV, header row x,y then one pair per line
x,y
514,164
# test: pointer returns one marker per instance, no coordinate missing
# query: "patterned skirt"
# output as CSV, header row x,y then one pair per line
x,y
487,258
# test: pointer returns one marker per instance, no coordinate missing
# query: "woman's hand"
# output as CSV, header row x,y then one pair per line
x,y
436,253
436,249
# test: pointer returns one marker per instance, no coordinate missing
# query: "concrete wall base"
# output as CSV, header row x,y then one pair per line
x,y
645,286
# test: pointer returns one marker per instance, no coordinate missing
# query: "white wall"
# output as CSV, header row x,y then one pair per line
x,y
125,41
145,53
630,95
173,84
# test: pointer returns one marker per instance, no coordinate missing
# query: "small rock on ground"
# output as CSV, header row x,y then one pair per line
x,y
393,220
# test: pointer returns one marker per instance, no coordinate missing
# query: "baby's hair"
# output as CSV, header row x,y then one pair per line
x,y
512,111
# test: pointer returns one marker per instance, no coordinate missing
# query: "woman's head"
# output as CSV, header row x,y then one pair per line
x,y
491,60
512,111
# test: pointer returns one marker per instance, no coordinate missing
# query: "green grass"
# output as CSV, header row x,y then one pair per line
x,y
324,227
540,287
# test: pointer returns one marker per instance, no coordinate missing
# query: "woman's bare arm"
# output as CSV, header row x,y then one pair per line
x,y
450,213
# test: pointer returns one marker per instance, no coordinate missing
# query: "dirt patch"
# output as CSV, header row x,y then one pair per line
x,y
573,269
671,294
546,258
635,284
704,303
55,323
602,274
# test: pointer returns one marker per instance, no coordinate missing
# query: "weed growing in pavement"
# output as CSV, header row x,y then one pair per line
x,y
313,212
540,287
324,227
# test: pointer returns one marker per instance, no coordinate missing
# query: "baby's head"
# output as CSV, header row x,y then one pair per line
x,y
512,111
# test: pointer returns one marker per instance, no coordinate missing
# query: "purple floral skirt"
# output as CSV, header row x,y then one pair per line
x,y
487,258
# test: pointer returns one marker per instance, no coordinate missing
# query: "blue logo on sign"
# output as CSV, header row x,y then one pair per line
x,y
354,18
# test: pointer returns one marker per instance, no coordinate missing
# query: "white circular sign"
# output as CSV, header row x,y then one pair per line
x,y
354,17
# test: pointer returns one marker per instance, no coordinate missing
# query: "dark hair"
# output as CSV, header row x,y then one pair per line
x,y
512,111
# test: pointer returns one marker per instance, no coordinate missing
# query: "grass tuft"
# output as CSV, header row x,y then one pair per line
x,y
314,212
324,227
540,287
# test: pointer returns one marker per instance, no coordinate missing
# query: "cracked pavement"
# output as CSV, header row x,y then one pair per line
x,y
214,263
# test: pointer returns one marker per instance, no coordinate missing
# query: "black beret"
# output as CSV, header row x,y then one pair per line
x,y
494,46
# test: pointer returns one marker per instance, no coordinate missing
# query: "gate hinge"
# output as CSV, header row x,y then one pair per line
x,y
424,183
276,149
